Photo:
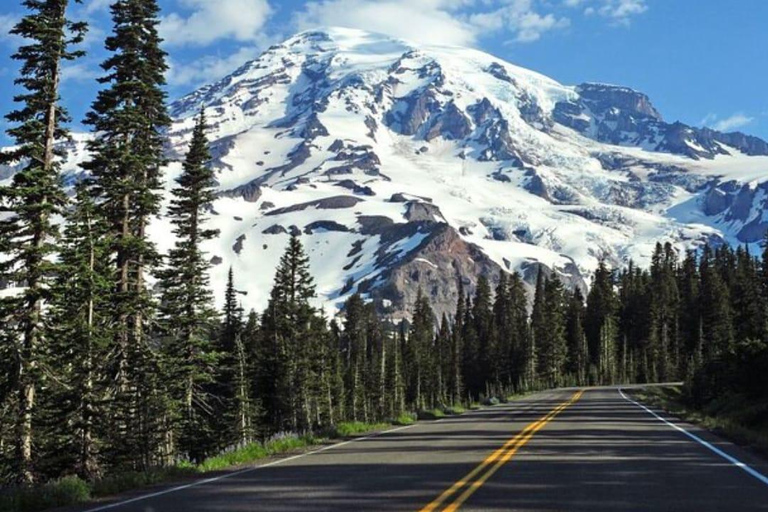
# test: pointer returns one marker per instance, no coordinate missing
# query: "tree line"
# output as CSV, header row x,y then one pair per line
x,y
113,357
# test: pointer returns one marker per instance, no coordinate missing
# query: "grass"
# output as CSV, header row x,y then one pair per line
x,y
406,418
430,414
69,490
355,428
115,484
453,410
733,417
277,445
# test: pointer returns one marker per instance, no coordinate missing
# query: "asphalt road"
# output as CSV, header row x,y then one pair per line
x,y
555,451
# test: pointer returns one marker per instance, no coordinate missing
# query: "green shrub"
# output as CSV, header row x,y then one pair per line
x,y
453,410
406,418
432,414
69,490
353,428
117,483
280,443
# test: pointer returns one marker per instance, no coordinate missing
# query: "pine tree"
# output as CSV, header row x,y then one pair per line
x,y
552,341
443,343
482,314
538,331
421,343
27,233
355,348
187,317
284,377
578,352
521,344
601,324
455,382
79,333
129,118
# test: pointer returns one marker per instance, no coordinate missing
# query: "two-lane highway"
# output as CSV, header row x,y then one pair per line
x,y
564,450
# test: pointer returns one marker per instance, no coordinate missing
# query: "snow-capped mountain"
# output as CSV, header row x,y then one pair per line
x,y
407,167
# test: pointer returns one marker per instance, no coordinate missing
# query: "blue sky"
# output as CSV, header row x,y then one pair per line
x,y
704,62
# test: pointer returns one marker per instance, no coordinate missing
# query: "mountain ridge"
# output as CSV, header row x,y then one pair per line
x,y
408,167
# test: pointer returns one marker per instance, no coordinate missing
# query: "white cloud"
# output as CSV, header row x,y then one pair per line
x,y
7,22
94,6
457,22
521,18
617,11
206,69
429,21
79,72
734,122
208,21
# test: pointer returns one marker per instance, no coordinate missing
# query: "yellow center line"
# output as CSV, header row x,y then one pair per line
x,y
497,459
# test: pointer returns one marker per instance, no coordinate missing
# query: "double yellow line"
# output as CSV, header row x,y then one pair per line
x,y
478,476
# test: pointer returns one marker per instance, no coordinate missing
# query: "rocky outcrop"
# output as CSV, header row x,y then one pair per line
x,y
435,267
328,203
622,116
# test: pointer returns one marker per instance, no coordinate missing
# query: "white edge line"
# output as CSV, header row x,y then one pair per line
x,y
733,460
246,470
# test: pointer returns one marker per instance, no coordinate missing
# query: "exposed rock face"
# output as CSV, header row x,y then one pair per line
x,y
622,116
741,205
418,211
329,203
601,99
435,267
324,225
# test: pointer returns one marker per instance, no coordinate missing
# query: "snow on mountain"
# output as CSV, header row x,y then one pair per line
x,y
406,167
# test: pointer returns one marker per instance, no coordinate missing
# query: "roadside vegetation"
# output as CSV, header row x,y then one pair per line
x,y
107,382
742,420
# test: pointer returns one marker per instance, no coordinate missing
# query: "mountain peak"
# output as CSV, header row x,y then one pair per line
x,y
406,166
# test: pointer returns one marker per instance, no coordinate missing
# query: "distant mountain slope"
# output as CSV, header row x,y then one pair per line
x,y
408,166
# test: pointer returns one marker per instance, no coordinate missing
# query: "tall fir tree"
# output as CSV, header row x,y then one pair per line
x,y
187,317
601,325
421,350
129,119
576,339
552,341
286,328
35,196
79,330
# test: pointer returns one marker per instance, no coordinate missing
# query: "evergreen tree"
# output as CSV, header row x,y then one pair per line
x,y
79,334
129,119
187,317
455,381
286,329
482,314
601,324
538,330
552,341
420,342
521,343
27,233
576,339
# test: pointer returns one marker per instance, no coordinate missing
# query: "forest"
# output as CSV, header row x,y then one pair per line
x,y
113,357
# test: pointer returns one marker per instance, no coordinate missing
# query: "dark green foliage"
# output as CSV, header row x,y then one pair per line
x,y
187,319
79,332
27,207
289,344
